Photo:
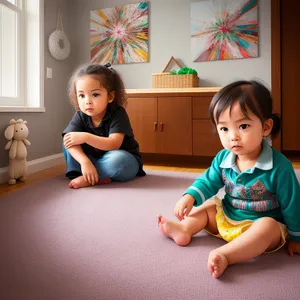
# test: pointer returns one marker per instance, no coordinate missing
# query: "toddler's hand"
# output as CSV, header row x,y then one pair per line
x,y
293,247
184,206
74,138
89,173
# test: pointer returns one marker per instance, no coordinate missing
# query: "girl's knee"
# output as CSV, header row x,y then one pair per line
x,y
268,222
121,164
117,157
272,231
270,227
211,211
211,203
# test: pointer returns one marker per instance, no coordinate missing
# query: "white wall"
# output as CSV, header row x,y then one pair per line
x,y
169,35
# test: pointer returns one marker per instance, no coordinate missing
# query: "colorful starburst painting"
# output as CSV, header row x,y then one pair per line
x,y
224,29
119,35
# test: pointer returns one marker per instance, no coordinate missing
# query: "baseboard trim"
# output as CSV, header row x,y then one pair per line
x,y
36,165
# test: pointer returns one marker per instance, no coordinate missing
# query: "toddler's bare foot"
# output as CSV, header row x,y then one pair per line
x,y
78,183
217,263
173,230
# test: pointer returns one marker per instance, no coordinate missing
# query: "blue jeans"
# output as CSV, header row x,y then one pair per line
x,y
119,165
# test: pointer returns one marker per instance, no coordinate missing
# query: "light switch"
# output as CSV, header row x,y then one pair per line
x,y
49,72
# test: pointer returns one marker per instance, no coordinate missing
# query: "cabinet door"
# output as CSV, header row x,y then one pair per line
x,y
206,141
200,107
143,118
174,134
290,75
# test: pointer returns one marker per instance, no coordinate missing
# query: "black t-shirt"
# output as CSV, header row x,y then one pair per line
x,y
115,121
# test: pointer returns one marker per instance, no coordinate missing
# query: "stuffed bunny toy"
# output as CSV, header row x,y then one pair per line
x,y
16,133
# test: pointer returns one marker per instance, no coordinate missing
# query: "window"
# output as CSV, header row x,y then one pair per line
x,y
21,42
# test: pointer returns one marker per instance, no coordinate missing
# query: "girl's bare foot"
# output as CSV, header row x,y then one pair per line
x,y
217,263
79,182
173,230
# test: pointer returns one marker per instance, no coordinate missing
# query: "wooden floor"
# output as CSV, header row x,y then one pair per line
x,y
60,169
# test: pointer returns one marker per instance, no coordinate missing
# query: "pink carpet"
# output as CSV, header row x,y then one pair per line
x,y
103,243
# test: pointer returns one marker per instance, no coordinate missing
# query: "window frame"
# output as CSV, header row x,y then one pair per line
x,y
27,42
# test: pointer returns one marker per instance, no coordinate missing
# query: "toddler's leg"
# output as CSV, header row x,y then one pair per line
x,y
263,235
73,168
199,218
73,171
119,165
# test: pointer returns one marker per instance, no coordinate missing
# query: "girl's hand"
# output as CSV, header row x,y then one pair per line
x,y
184,206
89,173
74,138
293,247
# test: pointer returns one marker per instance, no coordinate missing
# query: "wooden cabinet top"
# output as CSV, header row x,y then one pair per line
x,y
201,91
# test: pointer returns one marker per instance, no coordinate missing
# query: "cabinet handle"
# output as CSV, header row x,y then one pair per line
x,y
161,126
155,126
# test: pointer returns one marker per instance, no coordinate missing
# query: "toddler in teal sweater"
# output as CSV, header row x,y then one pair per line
x,y
261,206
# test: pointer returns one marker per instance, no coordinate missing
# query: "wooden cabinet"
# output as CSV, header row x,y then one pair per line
x,y
206,141
290,75
175,121
143,118
205,138
174,125
162,124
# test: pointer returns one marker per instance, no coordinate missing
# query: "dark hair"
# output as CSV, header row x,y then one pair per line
x,y
109,79
250,95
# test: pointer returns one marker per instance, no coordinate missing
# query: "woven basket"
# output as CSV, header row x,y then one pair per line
x,y
165,80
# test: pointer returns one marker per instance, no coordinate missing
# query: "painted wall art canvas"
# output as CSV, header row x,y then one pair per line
x,y
119,35
224,29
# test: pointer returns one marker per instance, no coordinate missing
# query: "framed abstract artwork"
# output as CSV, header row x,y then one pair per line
x,y
224,29
119,35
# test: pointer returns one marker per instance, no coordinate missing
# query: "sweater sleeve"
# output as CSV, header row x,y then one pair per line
x,y
209,183
288,196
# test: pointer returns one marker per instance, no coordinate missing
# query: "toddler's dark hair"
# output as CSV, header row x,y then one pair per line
x,y
109,79
250,95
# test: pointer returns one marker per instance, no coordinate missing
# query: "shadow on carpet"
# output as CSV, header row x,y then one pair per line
x,y
103,243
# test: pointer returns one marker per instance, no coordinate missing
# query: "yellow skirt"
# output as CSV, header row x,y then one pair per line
x,y
230,229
